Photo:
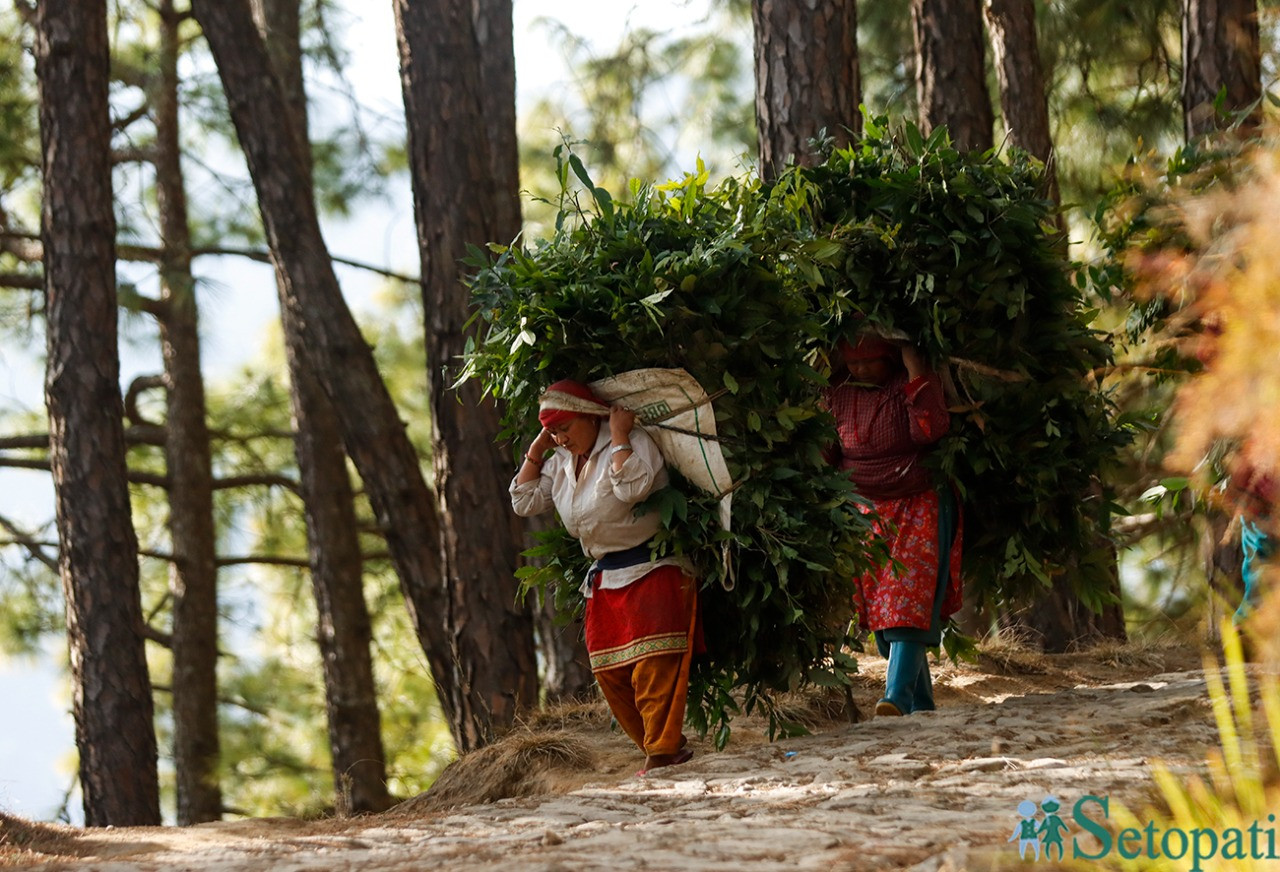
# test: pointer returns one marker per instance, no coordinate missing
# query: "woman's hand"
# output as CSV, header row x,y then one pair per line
x,y
620,423
914,361
541,444
531,466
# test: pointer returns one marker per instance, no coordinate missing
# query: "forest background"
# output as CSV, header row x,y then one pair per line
x,y
37,743
678,83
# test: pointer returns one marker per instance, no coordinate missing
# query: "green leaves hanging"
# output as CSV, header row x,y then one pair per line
x,y
746,286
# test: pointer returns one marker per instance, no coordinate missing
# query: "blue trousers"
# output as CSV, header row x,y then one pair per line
x,y
908,684
1258,548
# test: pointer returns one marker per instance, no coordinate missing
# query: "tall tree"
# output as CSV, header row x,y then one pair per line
x,y
333,543
456,202
807,76
1023,101
951,79
98,560
495,41
1220,52
336,351
194,572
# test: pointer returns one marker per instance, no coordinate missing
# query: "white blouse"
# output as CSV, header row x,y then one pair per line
x,y
597,507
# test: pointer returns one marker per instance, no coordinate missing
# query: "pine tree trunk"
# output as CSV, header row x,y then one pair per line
x,y
333,346
495,42
1022,96
98,562
1220,50
566,665
560,650
951,79
194,571
807,77
456,202
337,569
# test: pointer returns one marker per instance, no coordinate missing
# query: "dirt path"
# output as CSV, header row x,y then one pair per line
x,y
932,791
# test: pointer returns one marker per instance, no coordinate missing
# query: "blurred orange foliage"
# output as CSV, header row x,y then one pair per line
x,y
1228,287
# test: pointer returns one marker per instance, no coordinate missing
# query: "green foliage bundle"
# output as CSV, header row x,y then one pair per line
x,y
688,277
959,253
746,286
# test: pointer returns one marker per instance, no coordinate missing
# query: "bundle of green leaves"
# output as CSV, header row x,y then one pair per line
x,y
959,253
747,286
683,276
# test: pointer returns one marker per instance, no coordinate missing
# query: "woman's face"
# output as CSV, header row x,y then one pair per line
x,y
577,435
872,371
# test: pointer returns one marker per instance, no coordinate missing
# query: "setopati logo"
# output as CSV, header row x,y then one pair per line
x,y
1041,831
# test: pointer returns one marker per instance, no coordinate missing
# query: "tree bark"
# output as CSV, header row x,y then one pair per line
x,y
566,665
807,77
455,203
1060,622
495,42
566,673
333,543
1022,95
951,79
334,349
193,574
1220,50
98,559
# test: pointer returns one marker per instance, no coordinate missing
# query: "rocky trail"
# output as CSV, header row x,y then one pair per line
x,y
932,791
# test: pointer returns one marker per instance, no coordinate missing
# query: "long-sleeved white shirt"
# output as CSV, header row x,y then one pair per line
x,y
598,506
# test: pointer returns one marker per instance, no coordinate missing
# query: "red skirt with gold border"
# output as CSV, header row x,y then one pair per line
x,y
655,615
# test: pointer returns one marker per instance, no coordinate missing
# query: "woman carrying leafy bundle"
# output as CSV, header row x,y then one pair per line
x,y
889,409
642,626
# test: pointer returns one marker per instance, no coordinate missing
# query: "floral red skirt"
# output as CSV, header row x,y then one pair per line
x,y
655,615
900,593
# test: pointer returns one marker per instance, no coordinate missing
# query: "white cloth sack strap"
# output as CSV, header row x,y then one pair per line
x,y
563,402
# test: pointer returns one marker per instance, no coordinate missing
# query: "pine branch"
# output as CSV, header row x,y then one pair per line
x,y
139,434
125,121
22,281
136,387
271,560
27,247
261,479
134,154
34,547
42,465
150,633
264,560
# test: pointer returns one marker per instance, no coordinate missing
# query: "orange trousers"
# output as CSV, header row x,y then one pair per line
x,y
648,699
648,696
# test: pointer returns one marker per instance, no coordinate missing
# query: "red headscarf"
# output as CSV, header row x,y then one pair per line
x,y
868,347
566,400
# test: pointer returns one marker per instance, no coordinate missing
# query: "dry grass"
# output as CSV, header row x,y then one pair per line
x,y
815,707
1144,655
23,842
1006,654
568,716
525,762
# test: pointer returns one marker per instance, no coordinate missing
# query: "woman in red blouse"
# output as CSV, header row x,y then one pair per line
x,y
889,409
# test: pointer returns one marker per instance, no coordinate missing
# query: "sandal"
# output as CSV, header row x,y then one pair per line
x,y
657,761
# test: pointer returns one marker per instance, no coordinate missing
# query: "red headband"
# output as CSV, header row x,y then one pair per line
x,y
868,347
566,400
